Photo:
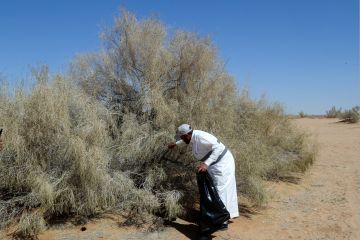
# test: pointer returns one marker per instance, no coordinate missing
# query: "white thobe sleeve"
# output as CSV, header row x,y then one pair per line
x,y
180,142
217,149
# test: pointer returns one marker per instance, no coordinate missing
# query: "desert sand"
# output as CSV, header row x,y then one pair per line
x,y
324,204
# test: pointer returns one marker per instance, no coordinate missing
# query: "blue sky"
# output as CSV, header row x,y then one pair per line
x,y
301,53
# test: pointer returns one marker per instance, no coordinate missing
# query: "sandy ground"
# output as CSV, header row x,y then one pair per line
x,y
324,205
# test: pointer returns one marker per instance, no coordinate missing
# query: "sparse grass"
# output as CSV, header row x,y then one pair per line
x,y
351,116
30,225
95,140
333,112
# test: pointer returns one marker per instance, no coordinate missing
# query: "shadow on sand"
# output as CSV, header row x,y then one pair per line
x,y
191,230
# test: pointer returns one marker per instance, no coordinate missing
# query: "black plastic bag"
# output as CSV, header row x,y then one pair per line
x,y
212,210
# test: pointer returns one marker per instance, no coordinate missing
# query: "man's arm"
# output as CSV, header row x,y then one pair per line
x,y
178,143
202,167
216,152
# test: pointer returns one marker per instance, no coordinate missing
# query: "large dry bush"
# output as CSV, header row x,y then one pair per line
x,y
57,157
267,147
101,143
154,82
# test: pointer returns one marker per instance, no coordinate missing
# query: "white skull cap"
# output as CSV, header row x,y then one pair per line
x,y
181,130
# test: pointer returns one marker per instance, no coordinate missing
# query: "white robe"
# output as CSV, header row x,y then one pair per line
x,y
222,173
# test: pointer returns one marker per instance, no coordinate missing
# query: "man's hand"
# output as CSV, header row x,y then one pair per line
x,y
202,167
171,145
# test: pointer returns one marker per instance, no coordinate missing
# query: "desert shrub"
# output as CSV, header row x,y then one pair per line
x,y
30,225
333,112
95,139
57,156
267,147
302,114
155,82
351,116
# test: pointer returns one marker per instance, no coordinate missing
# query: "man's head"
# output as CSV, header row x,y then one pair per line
x,y
184,132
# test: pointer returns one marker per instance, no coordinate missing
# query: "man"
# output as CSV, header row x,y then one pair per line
x,y
216,159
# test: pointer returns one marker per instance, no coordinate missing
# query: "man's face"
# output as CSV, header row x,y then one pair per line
x,y
186,138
